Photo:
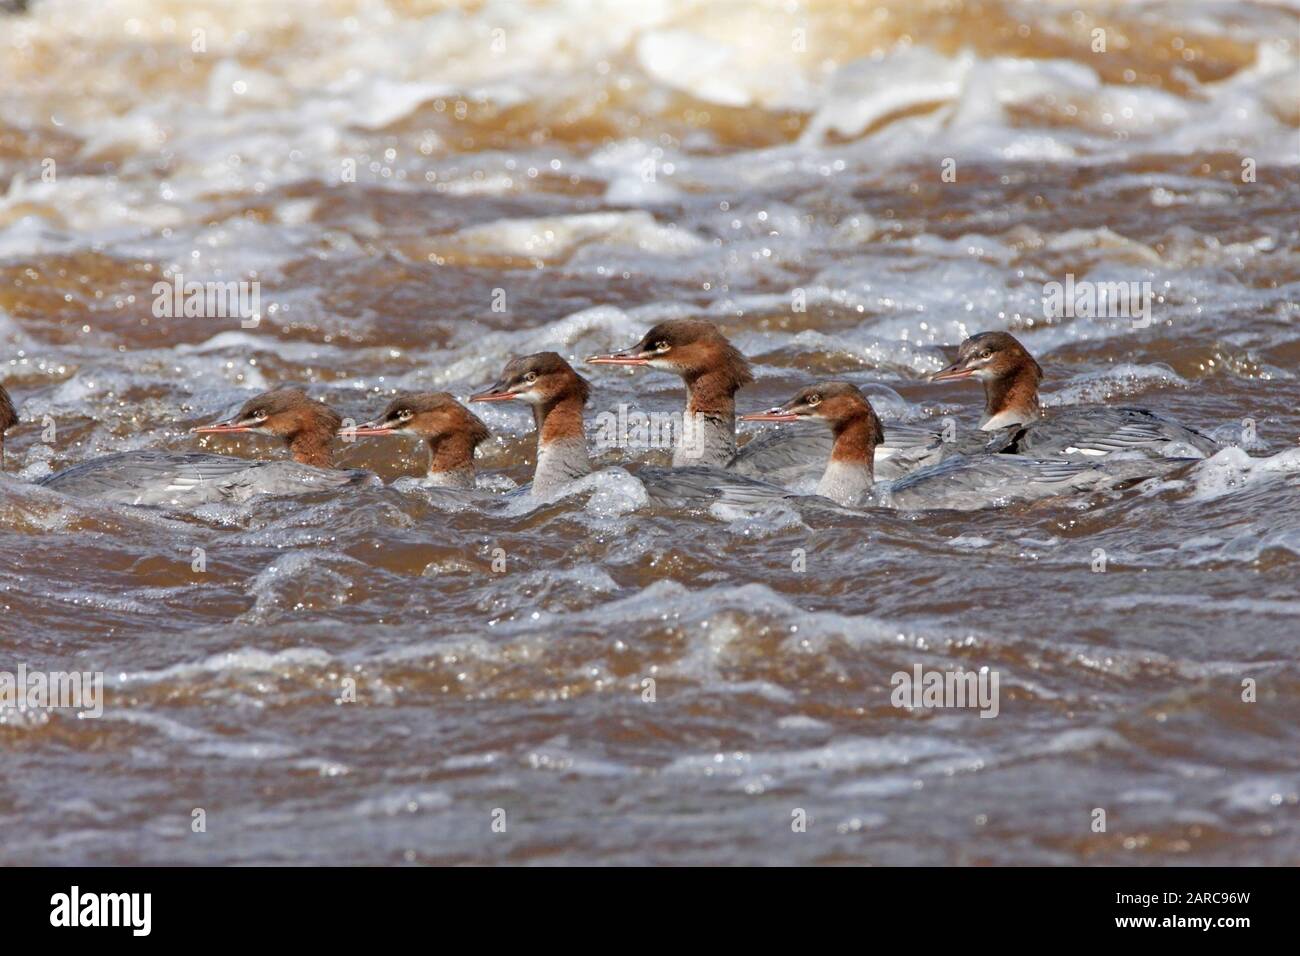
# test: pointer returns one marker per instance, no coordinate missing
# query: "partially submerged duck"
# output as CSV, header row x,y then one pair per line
x,y
960,481
855,430
450,430
147,477
1011,378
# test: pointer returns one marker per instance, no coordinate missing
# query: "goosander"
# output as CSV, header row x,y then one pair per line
x,y
714,370
855,431
959,481
8,419
187,478
558,395
1011,377
451,431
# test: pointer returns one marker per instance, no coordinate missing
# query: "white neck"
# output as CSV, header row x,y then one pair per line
x,y
1005,418
705,439
462,477
846,482
558,463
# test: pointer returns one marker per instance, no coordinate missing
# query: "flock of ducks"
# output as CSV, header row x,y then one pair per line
x,y
1018,453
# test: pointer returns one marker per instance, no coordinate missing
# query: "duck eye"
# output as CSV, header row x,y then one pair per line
x,y
662,346
404,415
259,415
986,353
814,399
530,376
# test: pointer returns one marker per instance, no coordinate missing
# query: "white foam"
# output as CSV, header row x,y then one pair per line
x,y
1232,470
1114,382
244,660
555,237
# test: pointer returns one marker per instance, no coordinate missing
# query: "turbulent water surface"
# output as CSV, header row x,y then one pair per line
x,y
848,189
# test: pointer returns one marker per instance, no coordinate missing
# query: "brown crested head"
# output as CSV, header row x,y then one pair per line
x,y
305,425
988,357
839,404
8,417
690,347
541,379
284,412
428,415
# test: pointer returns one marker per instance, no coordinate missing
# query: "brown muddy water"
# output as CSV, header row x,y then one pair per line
x,y
423,190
